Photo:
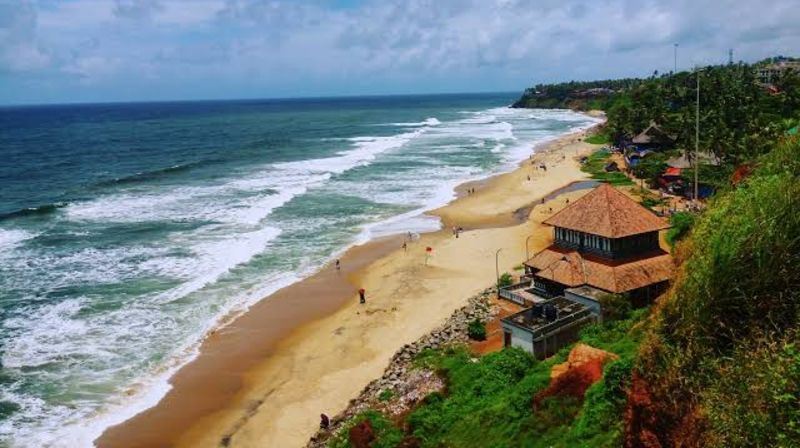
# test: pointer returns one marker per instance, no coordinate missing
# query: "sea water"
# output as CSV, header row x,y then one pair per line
x,y
127,231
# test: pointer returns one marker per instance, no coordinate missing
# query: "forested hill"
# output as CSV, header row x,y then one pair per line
x,y
576,95
741,117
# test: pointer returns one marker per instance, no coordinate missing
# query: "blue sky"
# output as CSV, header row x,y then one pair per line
x,y
55,51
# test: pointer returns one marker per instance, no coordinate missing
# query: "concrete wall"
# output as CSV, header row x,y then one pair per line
x,y
519,338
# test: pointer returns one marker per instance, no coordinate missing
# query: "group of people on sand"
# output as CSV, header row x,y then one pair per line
x,y
457,230
470,191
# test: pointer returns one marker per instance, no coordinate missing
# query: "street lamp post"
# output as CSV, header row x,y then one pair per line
x,y
497,268
527,254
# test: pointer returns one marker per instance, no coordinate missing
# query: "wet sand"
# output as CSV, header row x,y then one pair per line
x,y
263,380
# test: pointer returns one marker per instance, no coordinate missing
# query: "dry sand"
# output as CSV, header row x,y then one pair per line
x,y
264,379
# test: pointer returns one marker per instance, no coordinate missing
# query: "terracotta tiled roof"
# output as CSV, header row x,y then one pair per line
x,y
607,212
572,269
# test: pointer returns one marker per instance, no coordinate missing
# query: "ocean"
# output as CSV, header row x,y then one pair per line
x,y
127,231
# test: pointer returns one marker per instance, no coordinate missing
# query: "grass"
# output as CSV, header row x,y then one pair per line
x,y
721,346
488,401
681,223
598,139
595,165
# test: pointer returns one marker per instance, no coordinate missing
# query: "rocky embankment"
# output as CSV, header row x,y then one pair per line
x,y
402,386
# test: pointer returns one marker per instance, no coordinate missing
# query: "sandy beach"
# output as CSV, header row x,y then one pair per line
x,y
264,379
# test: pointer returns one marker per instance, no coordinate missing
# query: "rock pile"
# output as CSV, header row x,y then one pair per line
x,y
406,386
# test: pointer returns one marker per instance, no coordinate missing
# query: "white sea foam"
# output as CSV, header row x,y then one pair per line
x,y
431,121
11,238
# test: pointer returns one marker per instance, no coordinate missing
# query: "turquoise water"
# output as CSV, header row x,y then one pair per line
x,y
128,230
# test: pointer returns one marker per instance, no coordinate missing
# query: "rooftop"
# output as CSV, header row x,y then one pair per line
x,y
545,317
606,211
653,134
572,269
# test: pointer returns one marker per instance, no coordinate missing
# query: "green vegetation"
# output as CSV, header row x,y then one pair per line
x,y
722,346
615,307
681,223
717,362
386,434
505,280
476,330
598,139
386,395
488,401
575,94
740,118
595,165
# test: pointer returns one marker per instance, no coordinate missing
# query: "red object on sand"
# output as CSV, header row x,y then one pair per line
x,y
428,249
361,291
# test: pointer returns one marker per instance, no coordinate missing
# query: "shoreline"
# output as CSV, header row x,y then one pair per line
x,y
217,397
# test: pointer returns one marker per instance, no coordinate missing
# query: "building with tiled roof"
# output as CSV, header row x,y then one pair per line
x,y
604,243
607,241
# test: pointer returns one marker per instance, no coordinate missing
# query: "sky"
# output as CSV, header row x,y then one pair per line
x,y
61,51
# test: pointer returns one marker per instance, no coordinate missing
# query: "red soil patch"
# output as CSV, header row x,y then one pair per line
x,y
494,331
362,435
652,422
641,416
583,368
573,382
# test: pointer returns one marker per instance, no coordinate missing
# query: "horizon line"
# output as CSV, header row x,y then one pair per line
x,y
245,99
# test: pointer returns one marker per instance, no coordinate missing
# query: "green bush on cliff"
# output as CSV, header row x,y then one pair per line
x,y
680,224
489,400
733,313
476,330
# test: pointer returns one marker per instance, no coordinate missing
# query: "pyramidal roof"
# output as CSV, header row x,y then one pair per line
x,y
607,212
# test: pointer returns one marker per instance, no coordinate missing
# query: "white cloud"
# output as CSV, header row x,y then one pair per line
x,y
275,45
19,46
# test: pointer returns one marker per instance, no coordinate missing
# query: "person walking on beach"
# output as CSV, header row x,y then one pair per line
x,y
362,295
338,265
405,246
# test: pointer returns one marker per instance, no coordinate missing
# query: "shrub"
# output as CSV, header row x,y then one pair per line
x,y
505,280
477,330
614,307
756,401
681,223
739,284
386,395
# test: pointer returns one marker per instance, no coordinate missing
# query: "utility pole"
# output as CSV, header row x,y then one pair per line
x,y
497,269
675,65
730,56
697,138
